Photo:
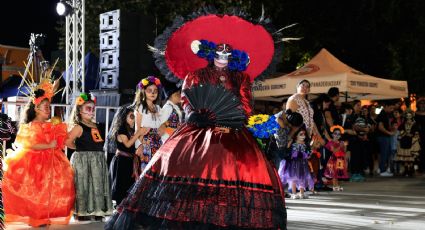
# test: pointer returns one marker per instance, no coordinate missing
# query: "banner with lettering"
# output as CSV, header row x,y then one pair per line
x,y
325,71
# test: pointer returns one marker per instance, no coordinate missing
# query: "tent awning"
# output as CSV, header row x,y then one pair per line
x,y
325,71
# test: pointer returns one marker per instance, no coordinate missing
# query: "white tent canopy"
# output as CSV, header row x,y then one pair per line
x,y
325,71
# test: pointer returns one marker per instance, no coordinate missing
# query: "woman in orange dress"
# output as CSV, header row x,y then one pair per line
x,y
38,185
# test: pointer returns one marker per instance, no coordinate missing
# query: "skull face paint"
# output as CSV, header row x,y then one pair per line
x,y
222,53
336,134
87,111
301,137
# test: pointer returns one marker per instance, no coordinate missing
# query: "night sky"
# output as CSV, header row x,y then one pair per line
x,y
21,18
381,38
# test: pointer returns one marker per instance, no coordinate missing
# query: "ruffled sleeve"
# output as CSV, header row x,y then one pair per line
x,y
165,112
25,136
41,133
60,134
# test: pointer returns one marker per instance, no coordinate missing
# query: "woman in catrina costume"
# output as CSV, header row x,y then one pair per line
x,y
206,176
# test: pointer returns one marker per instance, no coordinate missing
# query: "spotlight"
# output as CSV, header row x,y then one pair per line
x,y
63,8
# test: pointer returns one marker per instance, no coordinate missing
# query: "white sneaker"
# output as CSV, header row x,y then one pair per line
x,y
303,196
295,196
335,188
366,171
386,174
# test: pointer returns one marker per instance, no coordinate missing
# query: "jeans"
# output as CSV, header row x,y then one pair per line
x,y
384,152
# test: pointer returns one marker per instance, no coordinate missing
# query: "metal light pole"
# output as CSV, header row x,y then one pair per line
x,y
74,40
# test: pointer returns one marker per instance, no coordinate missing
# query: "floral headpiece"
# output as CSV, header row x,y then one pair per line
x,y
149,80
238,59
41,90
337,127
85,97
47,87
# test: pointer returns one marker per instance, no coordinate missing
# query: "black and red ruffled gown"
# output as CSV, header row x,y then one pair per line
x,y
206,179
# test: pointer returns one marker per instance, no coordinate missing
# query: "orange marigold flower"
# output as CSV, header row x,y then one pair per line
x,y
79,101
337,127
47,87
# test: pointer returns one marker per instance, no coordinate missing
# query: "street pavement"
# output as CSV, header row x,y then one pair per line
x,y
379,203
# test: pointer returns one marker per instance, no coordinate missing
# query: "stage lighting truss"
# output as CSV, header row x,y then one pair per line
x,y
64,8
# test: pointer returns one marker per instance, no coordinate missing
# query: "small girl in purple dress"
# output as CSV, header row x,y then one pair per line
x,y
295,171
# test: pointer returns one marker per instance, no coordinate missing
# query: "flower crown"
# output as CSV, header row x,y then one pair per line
x,y
239,60
85,97
337,127
149,80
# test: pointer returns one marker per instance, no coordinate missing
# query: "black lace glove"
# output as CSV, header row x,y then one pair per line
x,y
202,118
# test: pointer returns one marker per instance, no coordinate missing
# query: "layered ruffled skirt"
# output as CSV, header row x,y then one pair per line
x,y
337,167
38,185
296,170
205,179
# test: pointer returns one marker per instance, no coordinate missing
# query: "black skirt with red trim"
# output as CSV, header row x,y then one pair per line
x,y
205,179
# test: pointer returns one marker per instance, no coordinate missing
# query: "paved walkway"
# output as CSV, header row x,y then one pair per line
x,y
378,203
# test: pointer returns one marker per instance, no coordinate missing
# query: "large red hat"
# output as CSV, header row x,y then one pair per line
x,y
232,30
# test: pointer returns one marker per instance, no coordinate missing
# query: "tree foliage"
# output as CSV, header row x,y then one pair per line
x,y
381,38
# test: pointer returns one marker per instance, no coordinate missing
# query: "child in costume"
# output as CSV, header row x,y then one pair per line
x,y
125,164
172,110
38,186
93,198
409,148
295,171
148,118
336,167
